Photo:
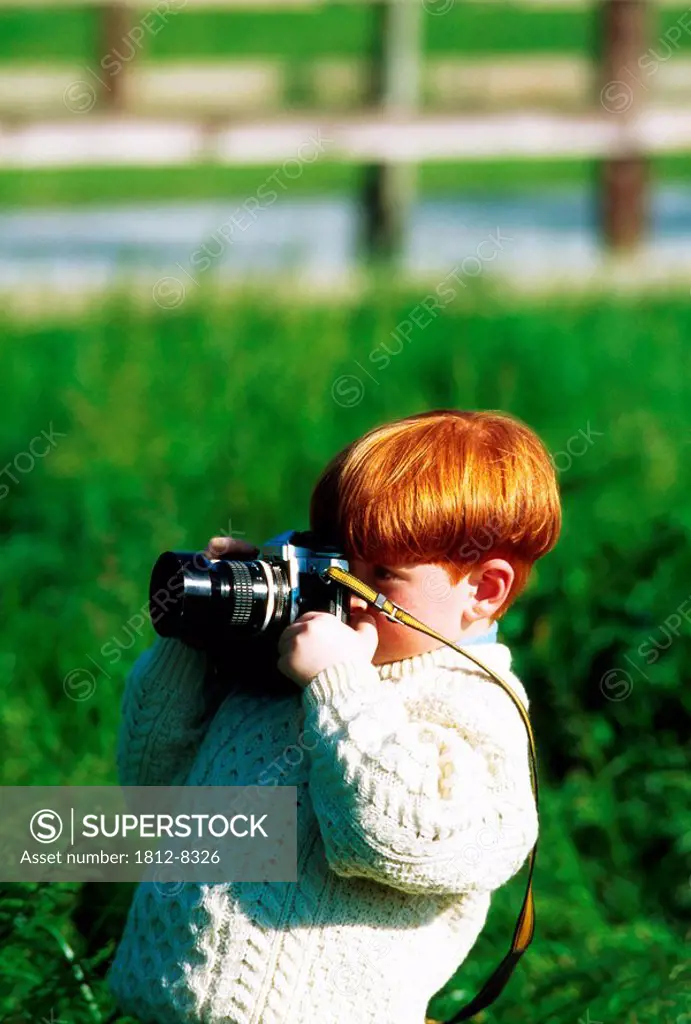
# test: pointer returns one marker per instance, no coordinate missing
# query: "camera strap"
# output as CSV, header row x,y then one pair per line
x,y
525,926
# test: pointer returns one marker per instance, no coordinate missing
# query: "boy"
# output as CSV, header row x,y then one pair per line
x,y
414,795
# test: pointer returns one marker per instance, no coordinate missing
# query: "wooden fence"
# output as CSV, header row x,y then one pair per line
x,y
622,129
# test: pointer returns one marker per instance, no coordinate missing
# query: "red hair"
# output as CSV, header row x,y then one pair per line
x,y
448,487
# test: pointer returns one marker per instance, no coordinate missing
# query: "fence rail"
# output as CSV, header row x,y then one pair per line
x,y
126,141
622,131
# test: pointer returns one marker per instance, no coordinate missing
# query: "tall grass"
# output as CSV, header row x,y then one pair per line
x,y
179,426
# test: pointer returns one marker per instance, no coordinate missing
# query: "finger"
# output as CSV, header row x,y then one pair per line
x,y
358,604
366,626
289,634
289,631
219,547
283,667
286,636
306,616
233,545
367,618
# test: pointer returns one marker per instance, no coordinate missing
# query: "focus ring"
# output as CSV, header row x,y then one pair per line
x,y
242,593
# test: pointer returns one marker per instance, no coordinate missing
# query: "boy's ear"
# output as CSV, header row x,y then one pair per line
x,y
492,580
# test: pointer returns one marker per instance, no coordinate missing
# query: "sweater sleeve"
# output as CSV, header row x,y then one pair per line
x,y
427,793
166,709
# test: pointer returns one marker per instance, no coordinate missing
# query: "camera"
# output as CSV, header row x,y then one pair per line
x,y
197,599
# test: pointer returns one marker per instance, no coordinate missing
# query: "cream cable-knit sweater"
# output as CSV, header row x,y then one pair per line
x,y
414,803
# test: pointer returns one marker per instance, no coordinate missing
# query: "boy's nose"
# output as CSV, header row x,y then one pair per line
x,y
358,604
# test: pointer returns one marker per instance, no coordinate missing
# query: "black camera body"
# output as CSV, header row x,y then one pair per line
x,y
198,600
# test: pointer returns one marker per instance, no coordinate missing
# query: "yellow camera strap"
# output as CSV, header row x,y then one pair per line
x,y
525,926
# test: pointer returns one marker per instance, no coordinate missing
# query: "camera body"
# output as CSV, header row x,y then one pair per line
x,y
198,599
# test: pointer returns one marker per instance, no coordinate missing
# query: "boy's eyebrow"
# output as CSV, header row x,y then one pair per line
x,y
396,570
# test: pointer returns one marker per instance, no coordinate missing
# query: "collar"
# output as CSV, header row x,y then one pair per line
x,y
490,637
497,656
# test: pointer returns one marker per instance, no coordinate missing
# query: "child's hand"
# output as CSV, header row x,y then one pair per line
x,y
230,547
317,640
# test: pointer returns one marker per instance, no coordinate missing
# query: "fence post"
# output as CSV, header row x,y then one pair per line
x,y
395,87
623,180
116,51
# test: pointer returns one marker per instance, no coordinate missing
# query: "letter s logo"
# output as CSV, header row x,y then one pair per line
x,y
46,826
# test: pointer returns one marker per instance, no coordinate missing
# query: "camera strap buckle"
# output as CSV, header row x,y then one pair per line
x,y
381,603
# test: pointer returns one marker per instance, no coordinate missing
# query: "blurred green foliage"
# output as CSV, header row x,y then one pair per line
x,y
218,416
100,186
71,33
340,29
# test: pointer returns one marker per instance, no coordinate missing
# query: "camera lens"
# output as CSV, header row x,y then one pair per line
x,y
196,599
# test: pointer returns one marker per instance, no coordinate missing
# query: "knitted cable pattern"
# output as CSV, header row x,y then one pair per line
x,y
414,805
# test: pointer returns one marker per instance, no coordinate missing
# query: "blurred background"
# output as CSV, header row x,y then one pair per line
x,y
234,235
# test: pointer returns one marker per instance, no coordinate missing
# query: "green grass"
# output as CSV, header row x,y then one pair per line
x,y
176,422
338,29
335,29
95,186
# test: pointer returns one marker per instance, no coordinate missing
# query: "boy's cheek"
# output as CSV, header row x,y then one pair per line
x,y
392,636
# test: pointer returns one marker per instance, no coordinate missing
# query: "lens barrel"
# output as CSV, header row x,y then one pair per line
x,y
197,599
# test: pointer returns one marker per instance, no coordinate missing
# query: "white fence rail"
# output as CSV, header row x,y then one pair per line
x,y
113,141
626,127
